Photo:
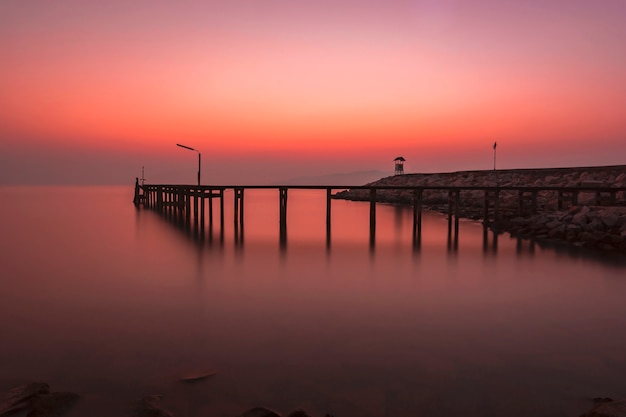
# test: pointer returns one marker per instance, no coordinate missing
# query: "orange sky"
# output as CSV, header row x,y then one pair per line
x,y
280,88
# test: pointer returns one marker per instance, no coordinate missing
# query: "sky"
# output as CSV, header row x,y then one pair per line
x,y
267,90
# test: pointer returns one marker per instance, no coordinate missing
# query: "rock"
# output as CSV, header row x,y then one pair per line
x,y
260,412
149,407
553,224
53,404
581,216
586,214
557,232
592,183
609,219
599,400
573,228
190,379
20,398
298,413
608,409
586,237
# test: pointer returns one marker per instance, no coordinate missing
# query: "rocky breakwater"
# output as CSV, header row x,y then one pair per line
x,y
592,220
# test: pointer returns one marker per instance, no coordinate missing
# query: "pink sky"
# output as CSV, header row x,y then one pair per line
x,y
91,91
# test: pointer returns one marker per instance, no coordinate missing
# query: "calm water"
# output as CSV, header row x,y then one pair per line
x,y
116,303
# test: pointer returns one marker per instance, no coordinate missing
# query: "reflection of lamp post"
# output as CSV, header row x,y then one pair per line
x,y
199,158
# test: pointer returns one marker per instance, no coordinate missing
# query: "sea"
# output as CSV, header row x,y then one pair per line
x,y
115,303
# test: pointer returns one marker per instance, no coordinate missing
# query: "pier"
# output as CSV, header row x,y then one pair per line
x,y
188,204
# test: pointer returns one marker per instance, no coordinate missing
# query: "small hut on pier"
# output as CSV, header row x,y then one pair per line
x,y
399,165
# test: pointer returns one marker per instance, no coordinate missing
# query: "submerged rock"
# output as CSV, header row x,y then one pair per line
x,y
20,398
298,413
149,407
53,404
37,400
608,409
260,412
190,379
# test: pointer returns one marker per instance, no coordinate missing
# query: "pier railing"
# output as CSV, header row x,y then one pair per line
x,y
189,203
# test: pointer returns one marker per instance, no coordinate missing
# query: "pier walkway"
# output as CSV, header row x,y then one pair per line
x,y
189,204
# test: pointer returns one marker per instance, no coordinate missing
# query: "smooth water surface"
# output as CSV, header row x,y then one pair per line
x,y
115,303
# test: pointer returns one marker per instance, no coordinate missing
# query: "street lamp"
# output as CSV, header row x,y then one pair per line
x,y
199,158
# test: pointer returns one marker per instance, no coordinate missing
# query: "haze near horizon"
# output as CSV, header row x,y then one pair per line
x,y
274,90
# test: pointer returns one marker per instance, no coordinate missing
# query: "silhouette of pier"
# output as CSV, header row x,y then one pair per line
x,y
188,204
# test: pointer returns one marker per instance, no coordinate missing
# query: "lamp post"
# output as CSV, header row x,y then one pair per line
x,y
199,158
495,144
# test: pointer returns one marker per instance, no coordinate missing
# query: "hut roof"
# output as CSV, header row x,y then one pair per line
x,y
399,159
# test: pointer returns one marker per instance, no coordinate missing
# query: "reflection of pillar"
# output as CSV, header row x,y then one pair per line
x,y
417,217
457,212
449,216
495,241
486,240
282,197
328,199
372,216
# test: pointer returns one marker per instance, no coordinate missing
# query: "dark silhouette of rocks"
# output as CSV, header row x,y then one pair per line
x,y
53,404
37,400
149,406
260,412
608,408
21,398
591,223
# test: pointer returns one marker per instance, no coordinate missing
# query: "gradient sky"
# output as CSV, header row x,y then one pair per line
x,y
91,91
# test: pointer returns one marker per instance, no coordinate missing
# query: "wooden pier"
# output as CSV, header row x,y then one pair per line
x,y
187,204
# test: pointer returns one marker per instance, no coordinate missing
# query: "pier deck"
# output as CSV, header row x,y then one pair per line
x,y
188,203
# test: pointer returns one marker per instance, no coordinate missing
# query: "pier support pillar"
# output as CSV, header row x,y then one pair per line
x,y
328,200
195,209
202,223
187,196
282,196
238,207
457,214
222,215
180,204
372,217
157,200
454,203
417,217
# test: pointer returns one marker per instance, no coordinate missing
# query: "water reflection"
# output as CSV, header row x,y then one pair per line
x,y
494,240
133,299
398,226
